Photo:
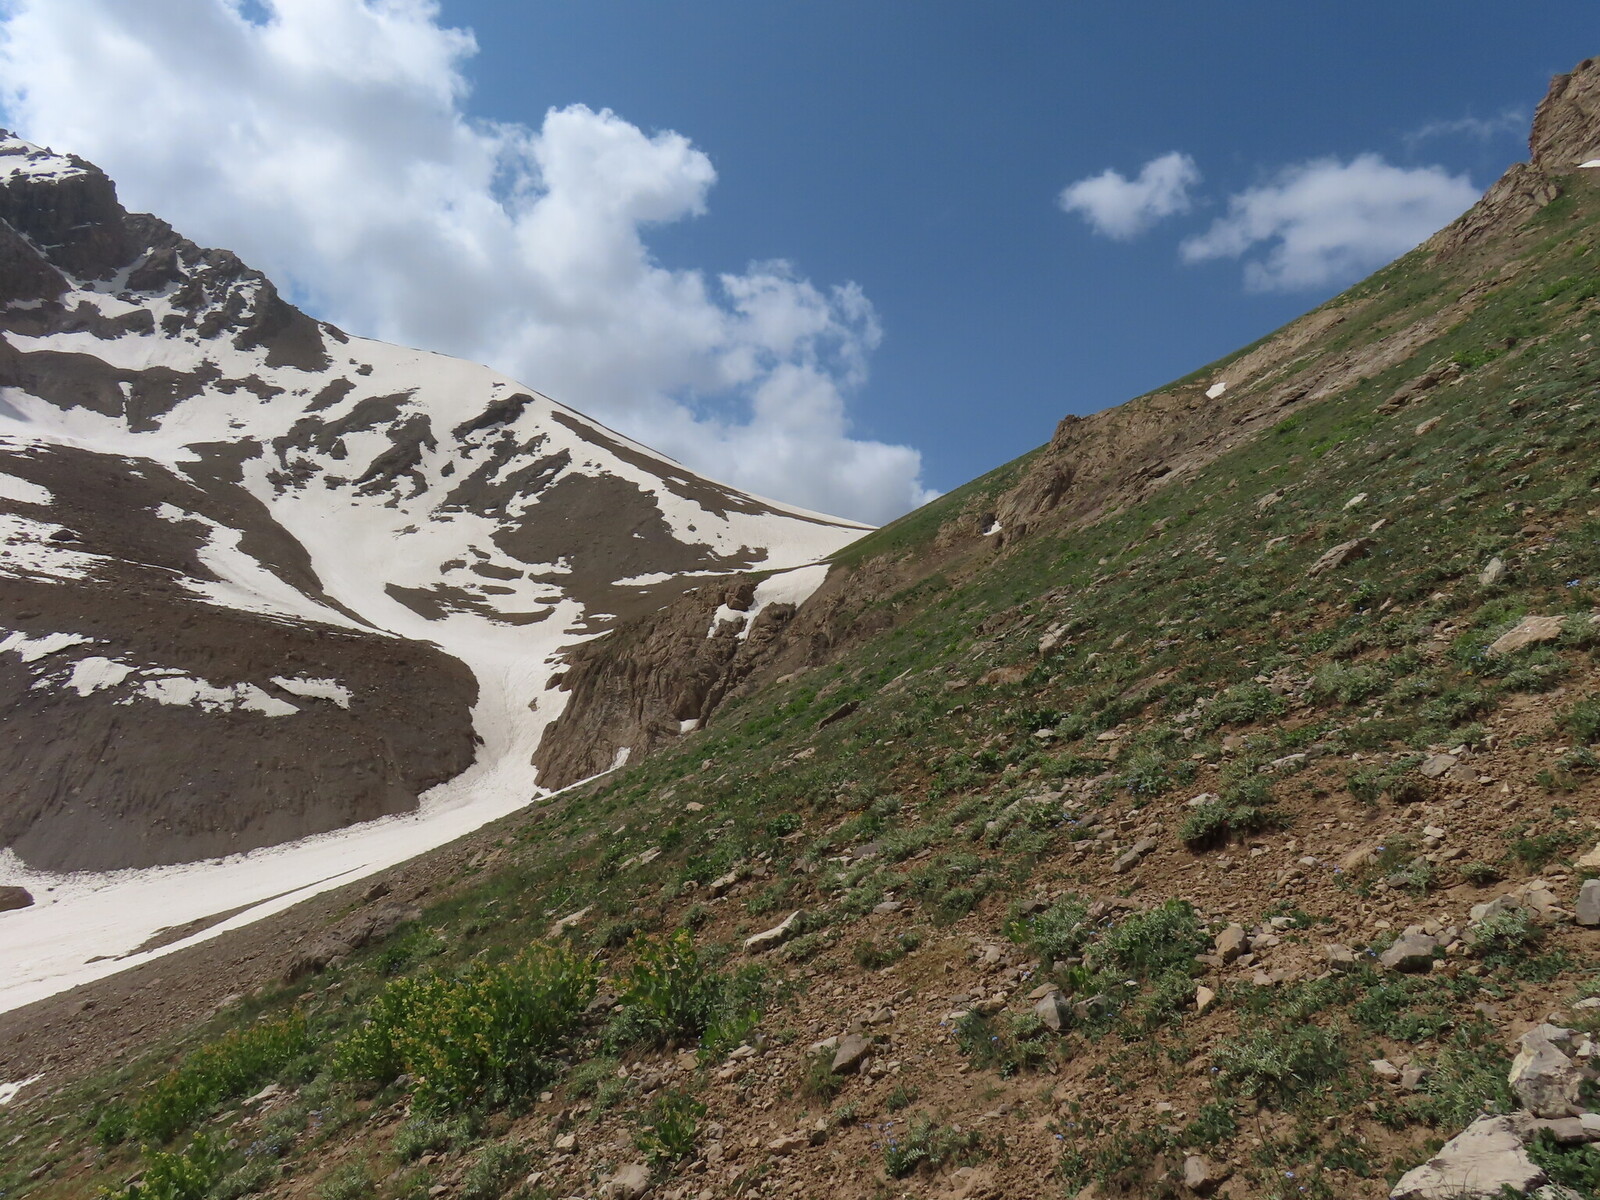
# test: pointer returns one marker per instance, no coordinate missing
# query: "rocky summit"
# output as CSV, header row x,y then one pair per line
x,y
1206,803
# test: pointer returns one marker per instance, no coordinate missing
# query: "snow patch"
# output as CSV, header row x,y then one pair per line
x,y
994,528
316,689
620,758
96,674
20,491
786,587
197,693
32,649
689,726
8,1091
1593,162
20,159
26,549
1216,389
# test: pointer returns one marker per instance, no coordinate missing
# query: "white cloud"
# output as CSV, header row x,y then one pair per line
x,y
1513,122
326,142
1122,208
1327,221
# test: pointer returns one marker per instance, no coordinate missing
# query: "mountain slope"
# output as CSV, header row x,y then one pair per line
x,y
1226,831
263,579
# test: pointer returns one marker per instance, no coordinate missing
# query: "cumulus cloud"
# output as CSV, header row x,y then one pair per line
x,y
326,141
1118,207
1327,221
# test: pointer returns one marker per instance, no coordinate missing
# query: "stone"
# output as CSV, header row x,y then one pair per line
x,y
1543,1077
1588,909
1412,951
1589,861
1426,427
1529,632
1204,998
1436,765
853,1050
567,1142
15,897
629,1183
1130,858
1230,943
769,939
1054,1011
1411,1078
570,921
1344,552
1476,1164
1202,1176
788,1143
1385,1070
721,885
1340,958
887,907
1493,572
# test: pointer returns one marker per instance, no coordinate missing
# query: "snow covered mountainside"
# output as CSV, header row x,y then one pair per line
x,y
261,579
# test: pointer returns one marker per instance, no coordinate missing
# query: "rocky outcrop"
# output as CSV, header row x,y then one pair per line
x,y
1566,125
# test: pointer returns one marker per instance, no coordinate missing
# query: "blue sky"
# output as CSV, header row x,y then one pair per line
x,y
916,150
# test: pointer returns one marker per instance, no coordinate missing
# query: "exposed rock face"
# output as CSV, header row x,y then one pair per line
x,y
1476,1164
1566,125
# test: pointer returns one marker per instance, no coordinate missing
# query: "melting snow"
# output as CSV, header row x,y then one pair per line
x,y
786,587
197,693
32,649
316,689
20,491
96,673
8,1091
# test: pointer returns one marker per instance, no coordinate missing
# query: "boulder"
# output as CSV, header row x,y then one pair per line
x,y
1436,765
852,1051
14,897
769,939
1543,1077
1588,911
1529,632
1412,951
1476,1164
1494,572
1054,1011
1344,552
1202,1176
629,1183
1231,943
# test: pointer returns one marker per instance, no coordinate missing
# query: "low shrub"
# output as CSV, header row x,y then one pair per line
x,y
672,995
484,1036
1582,721
1278,1064
670,1128
926,1144
226,1069
495,1171
187,1174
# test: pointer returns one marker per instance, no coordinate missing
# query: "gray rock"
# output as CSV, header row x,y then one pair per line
x,y
629,1183
1204,998
1493,572
1412,951
1130,858
1054,1011
1589,903
1436,765
15,897
1345,552
1474,1165
853,1050
1529,632
1340,958
769,939
1543,1077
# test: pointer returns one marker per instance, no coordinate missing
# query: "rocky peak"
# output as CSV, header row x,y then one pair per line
x,y
1566,126
67,207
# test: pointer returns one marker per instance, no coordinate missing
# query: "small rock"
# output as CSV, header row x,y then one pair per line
x,y
1412,951
1588,911
1204,998
1411,1078
788,1143
1340,958
721,885
567,1141
887,907
1494,572
1436,765
1054,1011
1385,1070
758,943
570,921
1230,943
852,1052
1130,858
1202,1176
1426,427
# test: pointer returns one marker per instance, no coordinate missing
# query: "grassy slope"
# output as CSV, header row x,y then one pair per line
x,y
1195,639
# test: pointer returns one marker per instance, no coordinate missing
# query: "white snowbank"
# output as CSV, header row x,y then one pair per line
x,y
96,673
1216,389
1593,162
786,587
20,491
32,649
208,697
